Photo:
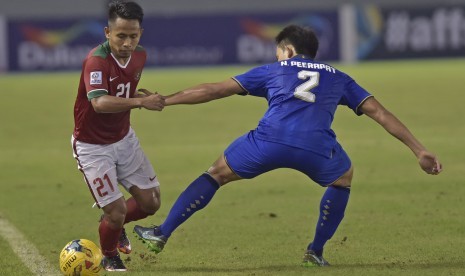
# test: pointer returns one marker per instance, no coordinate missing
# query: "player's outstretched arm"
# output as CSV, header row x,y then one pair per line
x,y
205,92
427,160
112,104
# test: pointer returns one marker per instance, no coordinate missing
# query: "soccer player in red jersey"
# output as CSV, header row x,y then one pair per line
x,y
104,144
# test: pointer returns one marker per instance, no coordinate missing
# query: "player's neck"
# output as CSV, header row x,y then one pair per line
x,y
121,61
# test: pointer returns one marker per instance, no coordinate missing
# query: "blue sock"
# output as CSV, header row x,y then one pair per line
x,y
196,196
332,207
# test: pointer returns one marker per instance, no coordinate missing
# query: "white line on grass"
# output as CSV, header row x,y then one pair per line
x,y
25,250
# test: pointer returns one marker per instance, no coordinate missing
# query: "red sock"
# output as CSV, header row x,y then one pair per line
x,y
133,211
108,238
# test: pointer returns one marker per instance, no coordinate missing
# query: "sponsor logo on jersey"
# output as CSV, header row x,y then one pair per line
x,y
96,77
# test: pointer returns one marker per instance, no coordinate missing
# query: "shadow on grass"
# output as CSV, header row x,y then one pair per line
x,y
444,266
418,266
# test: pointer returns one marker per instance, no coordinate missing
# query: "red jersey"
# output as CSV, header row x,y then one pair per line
x,y
103,75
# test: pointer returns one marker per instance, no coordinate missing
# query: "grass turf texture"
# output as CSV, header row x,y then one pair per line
x,y
398,221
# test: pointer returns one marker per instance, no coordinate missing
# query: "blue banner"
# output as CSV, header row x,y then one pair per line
x,y
169,41
52,44
419,32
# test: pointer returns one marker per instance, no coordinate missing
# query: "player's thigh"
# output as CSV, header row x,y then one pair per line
x,y
322,169
248,157
140,175
97,164
133,167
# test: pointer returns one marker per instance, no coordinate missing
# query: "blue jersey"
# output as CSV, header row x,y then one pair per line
x,y
302,98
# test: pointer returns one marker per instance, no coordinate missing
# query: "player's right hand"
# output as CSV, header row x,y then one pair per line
x,y
429,163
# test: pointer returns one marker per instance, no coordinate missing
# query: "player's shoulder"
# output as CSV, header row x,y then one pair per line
x,y
102,51
139,48
97,58
343,75
269,68
139,53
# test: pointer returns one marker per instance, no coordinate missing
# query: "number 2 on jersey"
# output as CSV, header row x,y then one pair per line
x,y
123,89
303,91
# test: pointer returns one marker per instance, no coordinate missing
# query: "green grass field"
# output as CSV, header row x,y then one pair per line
x,y
399,221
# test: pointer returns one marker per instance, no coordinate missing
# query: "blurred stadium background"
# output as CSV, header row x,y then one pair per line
x,y
56,35
400,221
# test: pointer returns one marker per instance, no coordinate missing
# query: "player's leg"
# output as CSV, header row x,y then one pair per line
x,y
110,229
142,183
197,195
137,176
332,207
143,203
239,156
193,199
97,165
110,232
111,226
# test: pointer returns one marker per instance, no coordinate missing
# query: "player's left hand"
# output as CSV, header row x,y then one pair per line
x,y
429,163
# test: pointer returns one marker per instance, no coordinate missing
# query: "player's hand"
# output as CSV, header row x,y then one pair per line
x,y
153,101
429,163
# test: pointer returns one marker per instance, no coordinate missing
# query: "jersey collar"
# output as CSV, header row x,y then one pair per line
x,y
106,45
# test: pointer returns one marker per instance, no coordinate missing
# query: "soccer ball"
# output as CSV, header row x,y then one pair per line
x,y
81,258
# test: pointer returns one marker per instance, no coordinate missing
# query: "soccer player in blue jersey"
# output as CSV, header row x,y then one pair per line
x,y
295,133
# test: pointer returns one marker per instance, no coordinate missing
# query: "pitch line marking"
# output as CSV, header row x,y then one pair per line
x,y
25,250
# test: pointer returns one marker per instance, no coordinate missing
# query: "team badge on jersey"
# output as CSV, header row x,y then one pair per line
x,y
96,77
137,75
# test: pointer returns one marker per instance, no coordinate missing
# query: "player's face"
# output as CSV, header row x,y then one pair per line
x,y
123,36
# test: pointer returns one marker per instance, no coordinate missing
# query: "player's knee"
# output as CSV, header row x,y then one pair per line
x,y
115,213
217,174
116,219
222,174
345,181
152,207
342,184
222,178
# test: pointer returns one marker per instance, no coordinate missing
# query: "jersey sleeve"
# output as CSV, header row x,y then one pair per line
x,y
254,81
354,95
95,76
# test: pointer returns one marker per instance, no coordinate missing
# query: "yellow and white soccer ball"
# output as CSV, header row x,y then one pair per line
x,y
81,258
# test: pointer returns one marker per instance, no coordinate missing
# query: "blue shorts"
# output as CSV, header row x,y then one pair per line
x,y
249,157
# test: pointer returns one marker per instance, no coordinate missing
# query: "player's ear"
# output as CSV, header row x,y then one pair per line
x,y
290,51
107,32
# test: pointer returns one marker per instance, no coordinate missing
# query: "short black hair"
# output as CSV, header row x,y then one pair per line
x,y
302,38
125,10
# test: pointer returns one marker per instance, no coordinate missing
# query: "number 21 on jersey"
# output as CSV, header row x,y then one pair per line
x,y
123,90
303,91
